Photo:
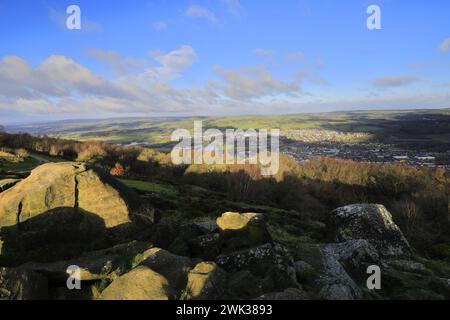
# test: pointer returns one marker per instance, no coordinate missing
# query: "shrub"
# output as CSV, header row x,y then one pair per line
x,y
117,171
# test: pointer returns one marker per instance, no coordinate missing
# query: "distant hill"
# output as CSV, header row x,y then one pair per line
x,y
421,126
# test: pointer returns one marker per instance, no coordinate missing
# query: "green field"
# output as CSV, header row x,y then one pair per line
x,y
163,190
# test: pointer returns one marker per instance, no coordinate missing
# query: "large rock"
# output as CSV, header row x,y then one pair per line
x,y
18,284
244,230
371,222
272,262
205,282
332,282
354,254
67,185
141,283
206,247
174,268
96,265
62,210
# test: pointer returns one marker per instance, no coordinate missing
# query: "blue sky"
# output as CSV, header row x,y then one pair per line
x,y
220,57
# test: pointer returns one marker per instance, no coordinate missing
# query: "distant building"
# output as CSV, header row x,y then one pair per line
x,y
426,158
401,157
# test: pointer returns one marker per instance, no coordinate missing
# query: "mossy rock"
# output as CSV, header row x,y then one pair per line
x,y
141,283
205,282
240,231
271,262
174,268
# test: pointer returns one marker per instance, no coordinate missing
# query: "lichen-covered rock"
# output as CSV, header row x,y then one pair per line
x,y
407,265
356,254
206,247
335,282
8,183
207,226
67,185
205,282
174,268
288,294
271,262
62,210
304,271
141,283
371,222
16,284
332,281
244,230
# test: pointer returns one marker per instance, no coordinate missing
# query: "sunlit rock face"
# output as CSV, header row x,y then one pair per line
x,y
371,222
61,210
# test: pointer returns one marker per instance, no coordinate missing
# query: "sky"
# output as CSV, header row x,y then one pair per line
x,y
220,57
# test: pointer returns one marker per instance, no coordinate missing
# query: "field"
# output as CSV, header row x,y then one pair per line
x,y
421,127
163,190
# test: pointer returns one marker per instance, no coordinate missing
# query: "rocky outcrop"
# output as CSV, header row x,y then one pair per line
x,y
67,185
62,210
207,246
96,265
371,222
141,283
18,284
244,230
272,262
205,282
174,268
332,282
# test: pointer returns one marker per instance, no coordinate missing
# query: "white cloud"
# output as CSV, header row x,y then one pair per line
x,y
253,82
59,86
118,64
397,81
445,46
172,64
200,12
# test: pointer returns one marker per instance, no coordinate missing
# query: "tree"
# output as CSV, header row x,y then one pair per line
x,y
22,153
117,171
3,135
91,152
